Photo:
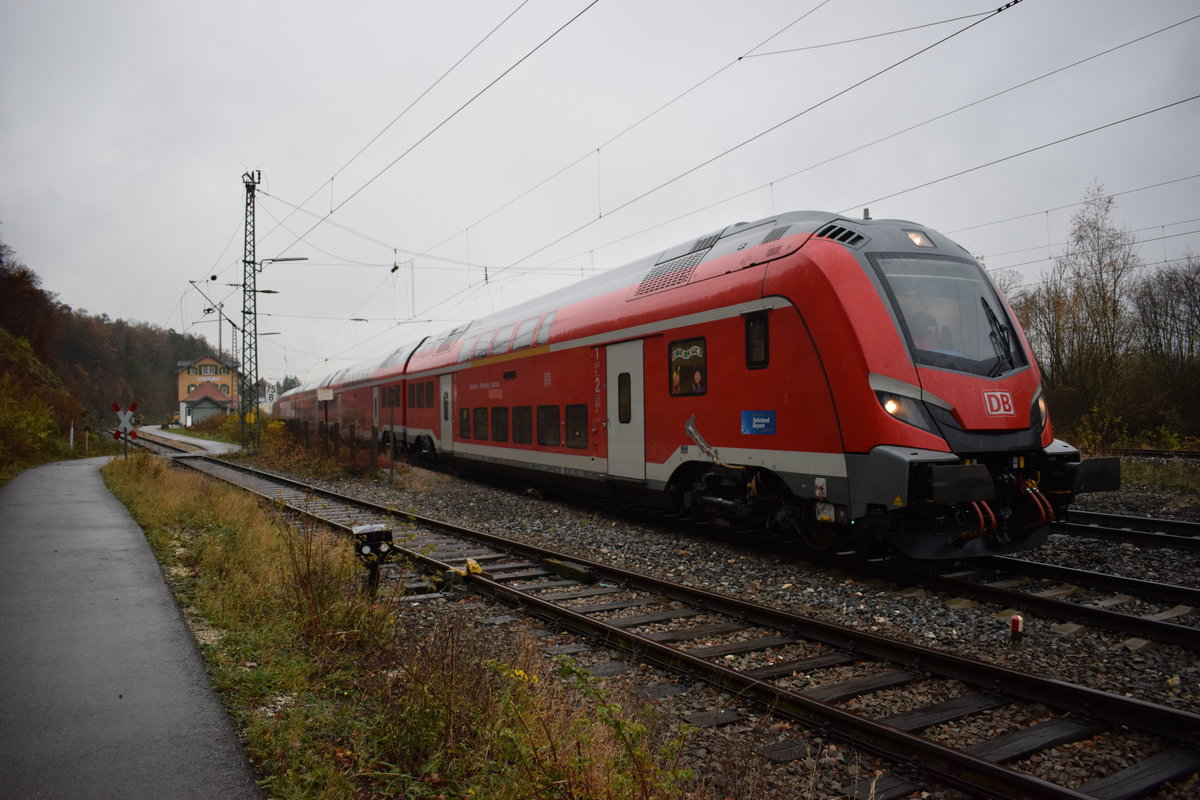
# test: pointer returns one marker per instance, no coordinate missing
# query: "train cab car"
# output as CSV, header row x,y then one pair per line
x,y
853,381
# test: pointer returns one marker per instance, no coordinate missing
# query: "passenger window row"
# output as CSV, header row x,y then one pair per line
x,y
556,426
498,342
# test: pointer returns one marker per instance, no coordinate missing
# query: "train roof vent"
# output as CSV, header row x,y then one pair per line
x,y
777,233
707,241
842,234
668,274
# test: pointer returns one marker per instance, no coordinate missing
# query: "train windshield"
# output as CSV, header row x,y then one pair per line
x,y
951,315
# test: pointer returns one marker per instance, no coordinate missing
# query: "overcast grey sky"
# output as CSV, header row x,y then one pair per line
x,y
537,142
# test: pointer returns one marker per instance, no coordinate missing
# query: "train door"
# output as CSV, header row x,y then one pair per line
x,y
375,407
626,411
444,412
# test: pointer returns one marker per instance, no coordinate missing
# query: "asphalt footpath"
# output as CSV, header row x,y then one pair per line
x,y
103,693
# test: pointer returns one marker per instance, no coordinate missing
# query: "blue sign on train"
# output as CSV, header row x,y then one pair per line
x,y
761,422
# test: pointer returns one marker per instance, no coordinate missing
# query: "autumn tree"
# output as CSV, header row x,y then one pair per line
x,y
1079,321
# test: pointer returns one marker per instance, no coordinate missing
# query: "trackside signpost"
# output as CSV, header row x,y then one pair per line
x,y
125,425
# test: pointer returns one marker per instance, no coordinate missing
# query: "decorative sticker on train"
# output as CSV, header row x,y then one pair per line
x,y
758,422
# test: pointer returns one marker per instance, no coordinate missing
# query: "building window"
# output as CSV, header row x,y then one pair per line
x,y
689,367
548,426
481,424
577,432
224,388
191,370
758,351
191,388
499,424
522,428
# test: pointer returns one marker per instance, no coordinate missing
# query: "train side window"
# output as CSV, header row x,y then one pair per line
x,y
577,433
499,424
624,398
420,395
446,406
428,394
481,347
548,426
501,343
522,429
543,334
412,395
480,428
468,349
758,341
464,423
524,337
688,360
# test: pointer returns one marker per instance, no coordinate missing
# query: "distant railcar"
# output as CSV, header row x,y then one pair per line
x,y
854,381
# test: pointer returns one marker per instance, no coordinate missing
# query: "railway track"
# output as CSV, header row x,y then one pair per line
x,y
1151,532
784,658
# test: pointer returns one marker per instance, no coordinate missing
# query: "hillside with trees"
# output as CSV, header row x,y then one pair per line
x,y
64,366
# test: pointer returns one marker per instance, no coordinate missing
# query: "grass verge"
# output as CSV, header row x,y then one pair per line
x,y
339,697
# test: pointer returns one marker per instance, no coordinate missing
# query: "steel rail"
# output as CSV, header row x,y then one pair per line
x,y
1177,527
1163,592
1148,538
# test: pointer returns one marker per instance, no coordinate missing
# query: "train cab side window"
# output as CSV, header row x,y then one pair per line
x,y
522,427
548,426
480,427
688,364
758,341
428,394
624,398
499,424
464,423
577,433
524,337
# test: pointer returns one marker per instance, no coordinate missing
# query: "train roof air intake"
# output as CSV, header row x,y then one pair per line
x,y
669,274
841,234
775,234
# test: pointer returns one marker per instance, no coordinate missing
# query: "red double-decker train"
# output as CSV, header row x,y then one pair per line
x,y
854,381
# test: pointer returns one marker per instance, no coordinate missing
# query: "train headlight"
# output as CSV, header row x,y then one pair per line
x,y
1039,415
905,409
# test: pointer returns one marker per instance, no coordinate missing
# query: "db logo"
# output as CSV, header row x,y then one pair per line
x,y
999,404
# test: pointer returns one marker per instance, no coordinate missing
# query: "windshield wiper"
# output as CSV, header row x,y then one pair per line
x,y
1001,340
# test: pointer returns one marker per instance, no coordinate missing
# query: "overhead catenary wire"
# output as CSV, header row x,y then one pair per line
x,y
443,123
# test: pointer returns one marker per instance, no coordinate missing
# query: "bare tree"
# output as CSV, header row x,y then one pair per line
x,y
1078,319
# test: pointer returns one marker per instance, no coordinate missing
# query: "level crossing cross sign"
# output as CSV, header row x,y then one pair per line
x,y
125,422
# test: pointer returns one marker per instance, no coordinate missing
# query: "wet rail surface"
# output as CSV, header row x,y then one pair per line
x,y
659,622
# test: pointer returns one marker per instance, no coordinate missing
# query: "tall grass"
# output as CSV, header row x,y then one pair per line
x,y
339,697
